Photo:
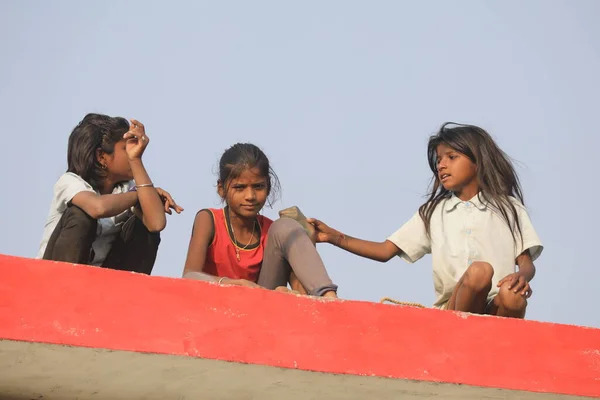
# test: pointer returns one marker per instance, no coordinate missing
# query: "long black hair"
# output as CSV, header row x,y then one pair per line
x,y
496,174
95,131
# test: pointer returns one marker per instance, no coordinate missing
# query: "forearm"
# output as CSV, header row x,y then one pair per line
x,y
526,266
200,276
153,213
378,251
527,270
109,205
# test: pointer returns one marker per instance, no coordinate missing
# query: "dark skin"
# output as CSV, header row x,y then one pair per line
x,y
124,164
245,197
458,174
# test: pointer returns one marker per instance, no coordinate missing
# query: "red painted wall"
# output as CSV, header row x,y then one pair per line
x,y
75,305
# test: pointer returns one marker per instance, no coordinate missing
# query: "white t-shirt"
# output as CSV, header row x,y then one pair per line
x,y
463,232
67,186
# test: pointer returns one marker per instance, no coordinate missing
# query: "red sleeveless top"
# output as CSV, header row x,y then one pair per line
x,y
221,257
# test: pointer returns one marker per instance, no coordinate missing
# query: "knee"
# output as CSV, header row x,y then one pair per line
x,y
511,301
79,219
478,276
284,228
134,231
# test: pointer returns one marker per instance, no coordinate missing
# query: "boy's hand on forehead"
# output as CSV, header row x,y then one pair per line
x,y
137,140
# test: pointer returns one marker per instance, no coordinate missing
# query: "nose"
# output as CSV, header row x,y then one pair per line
x,y
250,194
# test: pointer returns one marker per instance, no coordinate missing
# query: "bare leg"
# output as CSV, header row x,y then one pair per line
x,y
508,304
470,294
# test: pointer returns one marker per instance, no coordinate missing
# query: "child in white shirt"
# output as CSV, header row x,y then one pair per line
x,y
98,215
474,224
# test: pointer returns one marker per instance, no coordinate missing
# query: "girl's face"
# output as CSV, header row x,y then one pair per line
x,y
456,171
117,163
247,194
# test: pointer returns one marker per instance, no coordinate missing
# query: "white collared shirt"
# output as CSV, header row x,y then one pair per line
x,y
463,232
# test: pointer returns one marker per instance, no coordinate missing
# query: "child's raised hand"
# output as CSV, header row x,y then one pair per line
x,y
517,283
323,232
137,140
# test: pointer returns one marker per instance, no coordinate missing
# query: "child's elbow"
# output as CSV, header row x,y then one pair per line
x,y
385,258
156,226
97,210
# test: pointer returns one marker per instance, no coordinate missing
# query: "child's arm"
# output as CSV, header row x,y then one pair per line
x,y
150,203
519,281
531,249
104,206
526,266
378,251
202,235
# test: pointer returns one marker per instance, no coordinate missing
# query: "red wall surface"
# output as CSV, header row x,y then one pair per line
x,y
60,303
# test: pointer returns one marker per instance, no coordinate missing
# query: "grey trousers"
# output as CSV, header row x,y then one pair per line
x,y
289,249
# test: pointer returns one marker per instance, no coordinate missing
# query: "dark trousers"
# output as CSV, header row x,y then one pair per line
x,y
134,249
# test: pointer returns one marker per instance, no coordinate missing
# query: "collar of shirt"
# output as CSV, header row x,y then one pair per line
x,y
476,201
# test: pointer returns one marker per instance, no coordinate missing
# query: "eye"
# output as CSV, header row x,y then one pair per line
x,y
260,186
452,156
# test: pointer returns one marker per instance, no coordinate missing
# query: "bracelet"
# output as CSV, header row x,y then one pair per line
x,y
145,185
221,280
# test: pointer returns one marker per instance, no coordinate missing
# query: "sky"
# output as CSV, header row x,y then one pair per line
x,y
341,95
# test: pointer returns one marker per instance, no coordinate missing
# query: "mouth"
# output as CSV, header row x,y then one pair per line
x,y
249,206
443,177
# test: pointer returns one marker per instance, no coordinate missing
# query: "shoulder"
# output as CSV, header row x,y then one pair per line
x,y
516,202
68,185
207,214
519,207
204,223
72,179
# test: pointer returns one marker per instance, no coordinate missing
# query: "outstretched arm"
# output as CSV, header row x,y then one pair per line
x,y
378,251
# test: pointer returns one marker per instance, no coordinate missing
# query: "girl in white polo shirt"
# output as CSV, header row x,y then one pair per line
x,y
98,215
474,224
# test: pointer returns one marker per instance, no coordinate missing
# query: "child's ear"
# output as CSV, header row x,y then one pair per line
x,y
220,189
101,157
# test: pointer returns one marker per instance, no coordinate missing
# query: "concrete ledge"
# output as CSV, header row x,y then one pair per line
x,y
36,370
65,304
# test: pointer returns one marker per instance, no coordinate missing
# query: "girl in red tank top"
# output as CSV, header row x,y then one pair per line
x,y
230,258
235,245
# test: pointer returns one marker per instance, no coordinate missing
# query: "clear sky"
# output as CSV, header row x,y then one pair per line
x,y
341,95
